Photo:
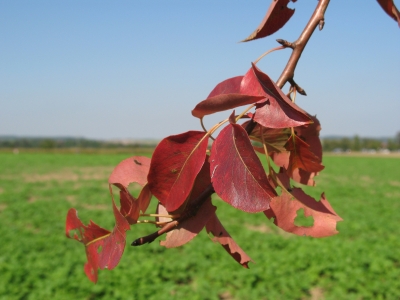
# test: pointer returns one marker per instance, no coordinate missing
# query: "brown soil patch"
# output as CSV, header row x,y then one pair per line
x,y
2,206
316,293
69,174
395,183
259,228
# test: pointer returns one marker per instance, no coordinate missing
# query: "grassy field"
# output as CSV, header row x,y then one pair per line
x,y
37,261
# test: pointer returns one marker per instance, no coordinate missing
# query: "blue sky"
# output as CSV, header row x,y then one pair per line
x,y
136,69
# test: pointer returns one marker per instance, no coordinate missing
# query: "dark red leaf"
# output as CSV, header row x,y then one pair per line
x,y
189,228
310,134
278,111
277,16
301,157
237,174
174,166
284,209
103,248
390,8
221,236
226,95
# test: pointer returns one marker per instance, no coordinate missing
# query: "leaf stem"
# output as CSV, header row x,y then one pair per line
x,y
268,52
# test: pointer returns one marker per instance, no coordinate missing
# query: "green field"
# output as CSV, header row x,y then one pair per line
x,y
37,261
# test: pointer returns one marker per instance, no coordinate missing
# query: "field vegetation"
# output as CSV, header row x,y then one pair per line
x,y
37,261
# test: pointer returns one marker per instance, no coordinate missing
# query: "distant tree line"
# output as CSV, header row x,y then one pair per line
x,y
357,143
56,143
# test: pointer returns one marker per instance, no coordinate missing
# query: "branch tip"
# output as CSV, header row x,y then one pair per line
x,y
285,43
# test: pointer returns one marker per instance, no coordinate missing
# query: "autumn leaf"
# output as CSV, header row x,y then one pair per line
x,y
226,95
310,134
237,174
133,169
103,248
175,164
190,227
284,210
301,157
390,8
277,111
221,236
277,16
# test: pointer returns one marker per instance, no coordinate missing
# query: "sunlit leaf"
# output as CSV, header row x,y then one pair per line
x,y
237,174
174,166
103,248
277,16
284,210
226,95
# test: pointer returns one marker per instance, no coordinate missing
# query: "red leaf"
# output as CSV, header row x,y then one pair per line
x,y
133,169
301,157
277,16
284,209
189,228
278,111
310,135
390,8
103,248
236,172
174,166
222,236
226,95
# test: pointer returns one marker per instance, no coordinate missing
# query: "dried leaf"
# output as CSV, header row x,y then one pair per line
x,y
237,174
284,209
103,248
174,166
226,95
277,16
221,236
390,8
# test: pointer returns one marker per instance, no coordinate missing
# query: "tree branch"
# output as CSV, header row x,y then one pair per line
x,y
317,19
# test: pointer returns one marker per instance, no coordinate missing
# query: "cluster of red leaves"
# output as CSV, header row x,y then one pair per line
x,y
182,172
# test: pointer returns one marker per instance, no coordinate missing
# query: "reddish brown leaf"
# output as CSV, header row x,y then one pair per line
x,y
133,169
390,8
284,209
236,172
221,236
301,157
103,248
278,111
277,16
174,166
226,95
310,134
189,228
